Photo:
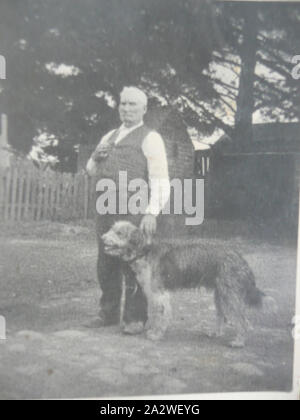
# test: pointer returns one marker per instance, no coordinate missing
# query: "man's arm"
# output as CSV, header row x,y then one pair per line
x,y
92,165
158,173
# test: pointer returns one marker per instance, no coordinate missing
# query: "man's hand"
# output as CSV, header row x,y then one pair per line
x,y
149,225
100,153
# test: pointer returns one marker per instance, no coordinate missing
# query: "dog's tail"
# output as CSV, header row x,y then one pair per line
x,y
257,299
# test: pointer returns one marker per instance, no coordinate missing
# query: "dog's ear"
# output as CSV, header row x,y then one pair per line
x,y
137,240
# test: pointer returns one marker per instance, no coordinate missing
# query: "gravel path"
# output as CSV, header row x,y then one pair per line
x,y
49,291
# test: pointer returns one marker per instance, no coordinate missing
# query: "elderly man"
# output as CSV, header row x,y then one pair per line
x,y
140,152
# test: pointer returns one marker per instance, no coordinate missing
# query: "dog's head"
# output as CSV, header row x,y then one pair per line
x,y
124,240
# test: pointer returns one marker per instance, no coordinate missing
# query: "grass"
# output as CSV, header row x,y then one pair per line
x,y
48,285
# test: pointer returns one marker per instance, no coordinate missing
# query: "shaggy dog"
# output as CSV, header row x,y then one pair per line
x,y
186,264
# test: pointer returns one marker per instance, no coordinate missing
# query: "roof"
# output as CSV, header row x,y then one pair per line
x,y
270,138
198,145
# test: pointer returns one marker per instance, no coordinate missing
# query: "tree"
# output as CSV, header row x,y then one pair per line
x,y
245,99
104,46
68,59
265,40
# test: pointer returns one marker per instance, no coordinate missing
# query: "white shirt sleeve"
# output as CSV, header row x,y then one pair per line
x,y
91,166
158,172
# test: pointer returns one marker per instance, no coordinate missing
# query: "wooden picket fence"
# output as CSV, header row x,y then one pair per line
x,y
31,194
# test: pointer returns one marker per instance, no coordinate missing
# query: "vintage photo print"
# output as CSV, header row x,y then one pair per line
x,y
149,199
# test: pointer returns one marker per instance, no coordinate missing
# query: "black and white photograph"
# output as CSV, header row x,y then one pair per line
x,y
149,199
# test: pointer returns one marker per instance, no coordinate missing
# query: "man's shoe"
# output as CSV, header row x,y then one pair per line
x,y
101,322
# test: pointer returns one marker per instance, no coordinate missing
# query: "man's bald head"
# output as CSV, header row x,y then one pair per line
x,y
134,92
133,106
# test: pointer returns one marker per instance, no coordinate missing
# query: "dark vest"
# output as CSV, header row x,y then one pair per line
x,y
126,156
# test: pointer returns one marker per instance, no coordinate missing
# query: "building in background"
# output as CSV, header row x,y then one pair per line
x,y
261,181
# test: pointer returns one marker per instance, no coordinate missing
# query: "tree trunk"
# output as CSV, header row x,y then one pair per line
x,y
245,100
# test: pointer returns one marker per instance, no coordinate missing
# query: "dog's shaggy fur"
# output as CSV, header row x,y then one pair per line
x,y
186,264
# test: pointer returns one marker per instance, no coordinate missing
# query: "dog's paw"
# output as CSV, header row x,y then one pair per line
x,y
154,335
209,333
238,343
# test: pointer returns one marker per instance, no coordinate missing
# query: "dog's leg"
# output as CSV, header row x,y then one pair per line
x,y
159,315
123,302
218,330
240,340
231,307
159,307
221,319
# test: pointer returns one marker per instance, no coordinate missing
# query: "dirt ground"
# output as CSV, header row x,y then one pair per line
x,y
49,292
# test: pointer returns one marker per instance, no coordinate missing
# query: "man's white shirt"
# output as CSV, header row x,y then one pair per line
x,y
154,151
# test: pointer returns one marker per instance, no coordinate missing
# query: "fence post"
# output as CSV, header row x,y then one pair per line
x,y
2,193
39,198
27,194
33,197
7,194
52,195
86,196
46,196
58,197
12,214
76,194
20,195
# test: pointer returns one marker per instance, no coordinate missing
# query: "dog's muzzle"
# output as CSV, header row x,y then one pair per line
x,y
110,243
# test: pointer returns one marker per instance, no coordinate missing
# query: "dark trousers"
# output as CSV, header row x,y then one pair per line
x,y
110,271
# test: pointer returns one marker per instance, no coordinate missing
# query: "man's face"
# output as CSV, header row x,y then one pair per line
x,y
131,109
